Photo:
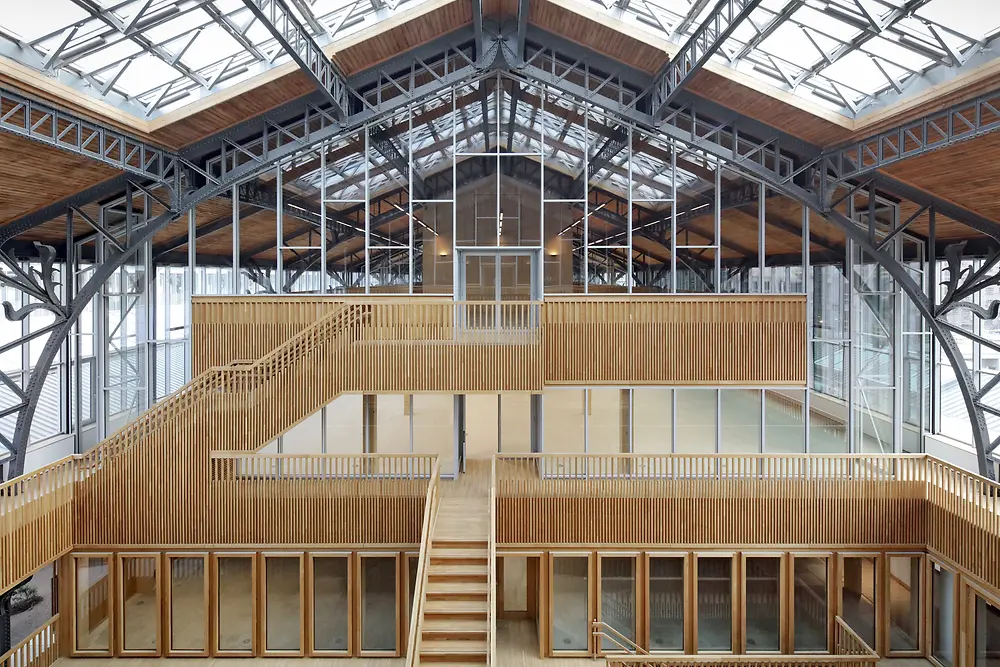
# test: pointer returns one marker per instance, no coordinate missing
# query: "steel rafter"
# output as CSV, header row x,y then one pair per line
x,y
708,38
300,45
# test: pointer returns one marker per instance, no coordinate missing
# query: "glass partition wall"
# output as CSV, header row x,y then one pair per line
x,y
751,602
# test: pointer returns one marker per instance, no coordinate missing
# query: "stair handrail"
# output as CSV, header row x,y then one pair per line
x,y
599,630
491,603
423,566
201,384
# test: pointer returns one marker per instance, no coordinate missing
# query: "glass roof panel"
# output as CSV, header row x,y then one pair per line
x,y
145,72
177,26
212,45
27,21
822,49
978,24
108,56
790,43
857,71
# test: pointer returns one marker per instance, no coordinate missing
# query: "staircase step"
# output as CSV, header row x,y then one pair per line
x,y
455,609
458,625
465,545
453,647
464,587
455,660
460,556
457,572
445,629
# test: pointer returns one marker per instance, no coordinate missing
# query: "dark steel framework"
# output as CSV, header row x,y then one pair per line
x,y
782,163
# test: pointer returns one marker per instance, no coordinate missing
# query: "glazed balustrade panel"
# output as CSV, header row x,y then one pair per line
x,y
676,340
270,499
237,328
36,520
862,501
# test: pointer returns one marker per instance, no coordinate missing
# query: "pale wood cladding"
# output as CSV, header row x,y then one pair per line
x,y
827,501
675,340
225,114
409,345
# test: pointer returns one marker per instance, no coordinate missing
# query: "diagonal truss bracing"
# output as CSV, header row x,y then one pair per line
x,y
296,40
720,23
45,123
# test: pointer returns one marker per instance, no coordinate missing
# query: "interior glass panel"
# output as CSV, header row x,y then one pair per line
x,y
188,615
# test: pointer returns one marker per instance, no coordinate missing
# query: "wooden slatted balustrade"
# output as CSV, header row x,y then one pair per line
x,y
963,519
227,328
409,344
36,520
319,498
676,340
423,567
39,649
722,499
849,651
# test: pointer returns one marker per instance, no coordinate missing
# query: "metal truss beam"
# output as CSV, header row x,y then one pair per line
x,y
293,37
477,27
523,9
708,38
383,144
49,125
933,131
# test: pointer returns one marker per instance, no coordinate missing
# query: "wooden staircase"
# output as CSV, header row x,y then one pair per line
x,y
455,623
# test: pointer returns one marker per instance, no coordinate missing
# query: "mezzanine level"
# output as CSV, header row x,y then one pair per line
x,y
688,555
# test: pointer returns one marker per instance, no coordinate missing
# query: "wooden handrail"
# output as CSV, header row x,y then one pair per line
x,y
848,642
39,649
598,630
849,651
423,566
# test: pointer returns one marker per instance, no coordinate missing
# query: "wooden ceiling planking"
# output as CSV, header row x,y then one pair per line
x,y
766,109
402,38
218,117
967,174
601,38
35,175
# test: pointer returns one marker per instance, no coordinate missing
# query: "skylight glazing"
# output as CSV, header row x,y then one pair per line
x,y
843,54
151,56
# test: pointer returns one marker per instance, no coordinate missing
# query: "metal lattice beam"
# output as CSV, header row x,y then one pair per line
x,y
720,23
300,45
933,131
60,129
